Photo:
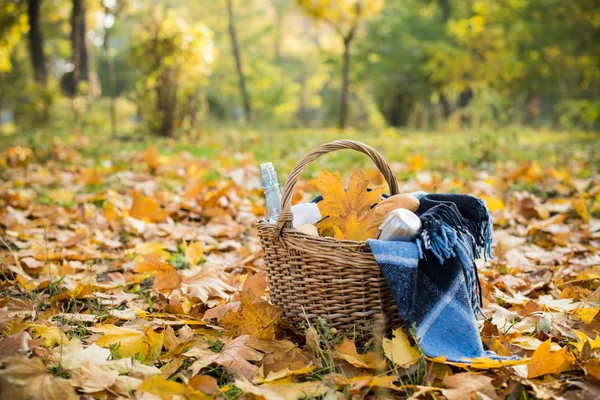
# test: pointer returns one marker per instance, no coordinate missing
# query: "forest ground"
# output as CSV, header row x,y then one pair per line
x,y
131,267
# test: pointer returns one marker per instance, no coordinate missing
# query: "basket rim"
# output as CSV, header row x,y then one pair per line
x,y
263,224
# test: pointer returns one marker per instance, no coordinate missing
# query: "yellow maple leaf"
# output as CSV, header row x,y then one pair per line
x,y
149,248
543,361
255,317
347,351
52,335
399,351
587,315
166,389
582,339
581,209
130,342
194,252
349,211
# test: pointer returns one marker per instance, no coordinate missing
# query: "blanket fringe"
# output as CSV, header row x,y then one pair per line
x,y
445,231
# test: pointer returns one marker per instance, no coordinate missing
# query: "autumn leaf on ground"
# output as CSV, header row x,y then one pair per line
x,y
348,210
166,389
235,356
23,378
466,386
399,351
147,209
130,342
203,283
284,389
12,345
347,351
194,252
543,361
52,335
255,317
166,278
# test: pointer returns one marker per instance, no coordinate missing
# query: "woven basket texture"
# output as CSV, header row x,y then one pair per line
x,y
314,277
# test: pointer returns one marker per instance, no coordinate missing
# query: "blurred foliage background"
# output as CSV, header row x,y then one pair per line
x,y
181,69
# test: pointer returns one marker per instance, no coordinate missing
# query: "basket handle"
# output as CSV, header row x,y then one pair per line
x,y
286,216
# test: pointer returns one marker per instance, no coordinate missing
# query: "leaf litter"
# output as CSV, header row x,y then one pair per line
x,y
142,277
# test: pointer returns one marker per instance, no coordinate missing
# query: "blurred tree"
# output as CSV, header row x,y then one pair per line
x,y
174,60
235,48
78,44
344,16
36,41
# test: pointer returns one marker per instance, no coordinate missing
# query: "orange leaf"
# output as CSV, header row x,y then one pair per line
x,y
147,209
167,277
543,361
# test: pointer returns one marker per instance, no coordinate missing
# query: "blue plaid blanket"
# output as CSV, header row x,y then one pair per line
x,y
434,278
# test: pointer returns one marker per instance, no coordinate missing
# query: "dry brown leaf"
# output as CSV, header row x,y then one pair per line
x,y
466,385
91,378
205,383
235,356
14,344
203,283
28,379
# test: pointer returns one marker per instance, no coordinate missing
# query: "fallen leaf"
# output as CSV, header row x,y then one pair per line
x,y
255,317
235,356
283,389
194,253
14,344
166,278
52,335
91,378
205,383
166,389
347,351
28,379
468,385
399,351
130,342
204,283
147,209
544,362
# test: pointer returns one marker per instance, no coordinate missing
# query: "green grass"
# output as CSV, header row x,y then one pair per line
x,y
443,150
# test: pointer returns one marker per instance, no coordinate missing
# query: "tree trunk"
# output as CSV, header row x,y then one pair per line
x,y
36,42
110,67
238,62
80,56
345,82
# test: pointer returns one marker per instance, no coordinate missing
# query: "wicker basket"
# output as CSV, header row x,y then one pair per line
x,y
337,280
